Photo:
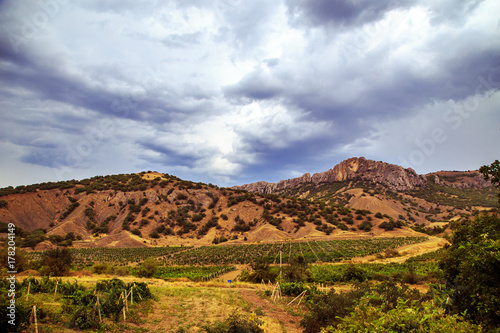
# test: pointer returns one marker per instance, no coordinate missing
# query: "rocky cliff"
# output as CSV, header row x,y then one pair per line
x,y
393,176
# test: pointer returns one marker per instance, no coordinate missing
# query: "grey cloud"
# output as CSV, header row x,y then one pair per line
x,y
454,11
182,40
344,13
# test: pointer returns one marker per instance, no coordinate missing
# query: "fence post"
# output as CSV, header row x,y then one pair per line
x,y
55,291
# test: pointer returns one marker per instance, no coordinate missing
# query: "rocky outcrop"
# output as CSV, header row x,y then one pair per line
x,y
395,177
459,179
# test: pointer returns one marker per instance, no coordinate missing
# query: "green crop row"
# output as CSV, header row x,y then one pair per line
x,y
193,273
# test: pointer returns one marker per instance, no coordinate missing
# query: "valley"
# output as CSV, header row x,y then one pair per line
x,y
214,257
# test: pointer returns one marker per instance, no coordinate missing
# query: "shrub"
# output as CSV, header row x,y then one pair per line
x,y
56,262
136,232
365,226
147,268
237,323
413,317
260,271
471,269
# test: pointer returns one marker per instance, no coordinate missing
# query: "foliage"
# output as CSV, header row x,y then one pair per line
x,y
118,256
80,304
456,197
147,268
296,271
260,272
329,309
33,238
405,317
492,172
237,323
56,262
194,273
405,272
472,268
22,311
325,251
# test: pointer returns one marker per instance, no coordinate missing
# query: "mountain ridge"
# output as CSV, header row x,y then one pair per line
x,y
357,198
392,176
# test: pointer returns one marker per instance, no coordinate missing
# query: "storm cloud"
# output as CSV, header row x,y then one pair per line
x,y
232,92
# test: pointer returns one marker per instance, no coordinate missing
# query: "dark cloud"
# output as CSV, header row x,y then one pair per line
x,y
230,91
339,12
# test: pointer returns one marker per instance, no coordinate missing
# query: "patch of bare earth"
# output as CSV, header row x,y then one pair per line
x,y
277,316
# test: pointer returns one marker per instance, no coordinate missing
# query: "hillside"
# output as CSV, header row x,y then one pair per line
x,y
153,209
357,198
452,189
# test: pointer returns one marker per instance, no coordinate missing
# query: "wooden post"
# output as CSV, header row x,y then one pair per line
x,y
281,261
125,298
301,296
55,291
99,309
36,322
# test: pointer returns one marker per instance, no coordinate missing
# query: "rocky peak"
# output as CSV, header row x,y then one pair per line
x,y
393,176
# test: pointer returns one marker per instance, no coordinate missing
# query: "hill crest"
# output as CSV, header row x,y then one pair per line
x,y
392,176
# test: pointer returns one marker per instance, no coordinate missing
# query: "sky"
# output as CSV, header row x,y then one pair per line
x,y
231,92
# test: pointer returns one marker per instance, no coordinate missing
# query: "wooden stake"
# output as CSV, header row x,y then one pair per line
x,y
281,262
301,295
55,291
36,322
99,309
125,298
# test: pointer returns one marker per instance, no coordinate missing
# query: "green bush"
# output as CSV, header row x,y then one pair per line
x,y
56,262
260,271
405,317
237,323
147,268
471,269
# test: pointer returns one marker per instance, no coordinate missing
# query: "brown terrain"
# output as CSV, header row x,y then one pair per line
x,y
158,201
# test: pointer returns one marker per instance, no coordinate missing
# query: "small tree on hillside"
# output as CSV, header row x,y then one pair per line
x,y
471,265
56,262
297,270
492,172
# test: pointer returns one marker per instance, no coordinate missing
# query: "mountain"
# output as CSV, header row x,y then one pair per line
x,y
391,176
357,198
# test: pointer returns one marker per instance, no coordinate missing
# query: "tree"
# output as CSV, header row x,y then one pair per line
x,y
148,268
471,269
56,262
297,270
492,172
261,271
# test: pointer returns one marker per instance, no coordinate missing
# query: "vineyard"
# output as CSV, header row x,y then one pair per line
x,y
361,272
193,273
313,251
116,256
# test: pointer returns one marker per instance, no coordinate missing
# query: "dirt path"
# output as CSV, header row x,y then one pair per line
x,y
407,251
232,275
275,318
